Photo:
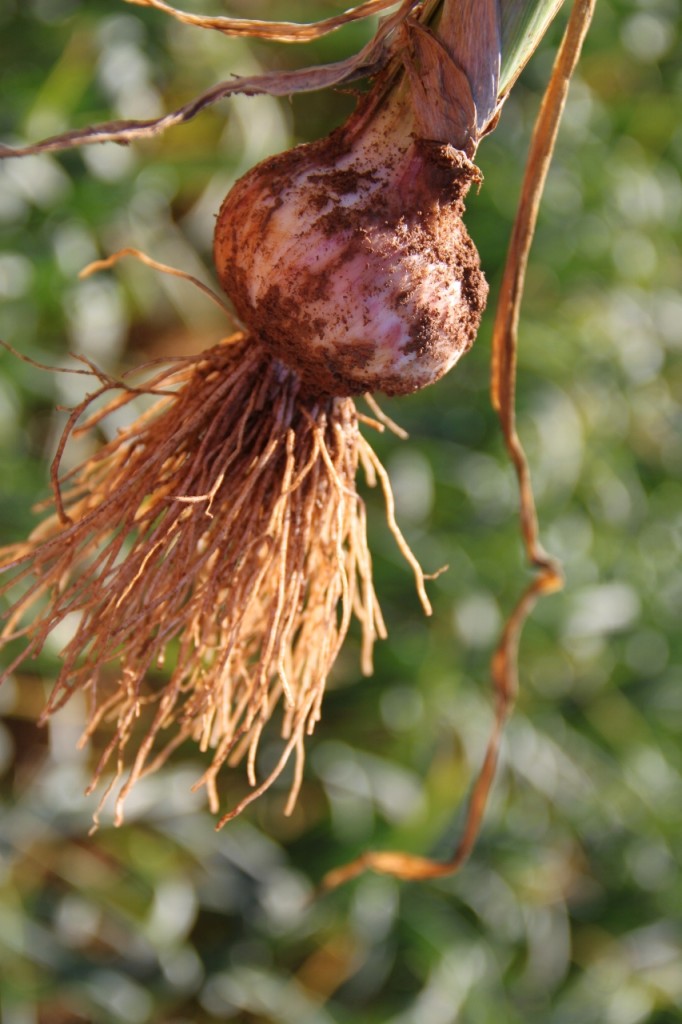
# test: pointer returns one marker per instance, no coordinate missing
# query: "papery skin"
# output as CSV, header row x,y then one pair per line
x,y
348,257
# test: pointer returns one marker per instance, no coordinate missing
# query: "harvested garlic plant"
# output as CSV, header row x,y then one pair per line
x,y
221,536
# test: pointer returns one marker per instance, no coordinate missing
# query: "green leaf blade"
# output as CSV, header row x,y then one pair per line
x,y
523,23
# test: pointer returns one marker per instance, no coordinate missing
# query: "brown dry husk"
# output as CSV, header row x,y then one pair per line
x,y
221,532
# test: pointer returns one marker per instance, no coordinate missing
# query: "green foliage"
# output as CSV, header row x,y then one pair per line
x,y
570,908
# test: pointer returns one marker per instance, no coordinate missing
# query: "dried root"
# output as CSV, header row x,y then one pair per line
x,y
222,534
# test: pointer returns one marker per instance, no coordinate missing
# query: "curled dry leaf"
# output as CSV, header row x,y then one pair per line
x,y
277,31
367,62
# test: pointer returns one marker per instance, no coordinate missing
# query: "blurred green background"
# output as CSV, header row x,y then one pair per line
x,y
571,907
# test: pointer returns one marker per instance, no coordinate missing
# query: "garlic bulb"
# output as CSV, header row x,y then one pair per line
x,y
349,260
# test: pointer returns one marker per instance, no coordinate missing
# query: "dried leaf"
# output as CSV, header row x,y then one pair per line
x,y
369,61
277,31
443,103
470,31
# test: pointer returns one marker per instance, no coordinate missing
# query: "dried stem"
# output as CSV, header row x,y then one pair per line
x,y
549,579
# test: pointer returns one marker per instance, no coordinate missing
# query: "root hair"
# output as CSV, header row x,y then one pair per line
x,y
222,534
